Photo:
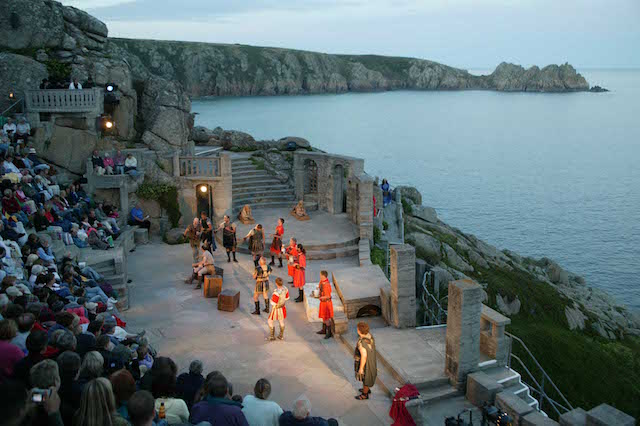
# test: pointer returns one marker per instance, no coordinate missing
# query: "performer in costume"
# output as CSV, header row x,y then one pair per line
x,y
278,309
256,243
365,364
299,274
292,252
207,232
229,240
325,312
261,275
202,268
192,233
276,245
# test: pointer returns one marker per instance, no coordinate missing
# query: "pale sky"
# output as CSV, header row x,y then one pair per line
x,y
464,33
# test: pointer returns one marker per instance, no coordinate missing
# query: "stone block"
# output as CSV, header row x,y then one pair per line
x,y
515,406
482,388
414,407
403,270
462,351
605,414
141,236
575,417
535,418
403,311
385,303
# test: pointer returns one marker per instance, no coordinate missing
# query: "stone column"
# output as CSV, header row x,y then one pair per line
x,y
463,331
224,190
298,175
365,207
421,269
176,163
403,286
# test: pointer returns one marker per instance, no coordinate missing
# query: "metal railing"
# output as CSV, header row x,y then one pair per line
x,y
62,100
200,166
538,386
434,313
19,102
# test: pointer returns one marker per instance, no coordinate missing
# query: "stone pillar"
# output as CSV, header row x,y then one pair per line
x,y
124,196
176,163
223,195
298,175
365,208
493,341
421,269
463,331
403,286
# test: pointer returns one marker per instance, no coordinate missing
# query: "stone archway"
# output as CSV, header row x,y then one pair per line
x,y
204,199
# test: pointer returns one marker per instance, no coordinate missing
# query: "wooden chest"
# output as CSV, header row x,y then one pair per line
x,y
228,300
212,285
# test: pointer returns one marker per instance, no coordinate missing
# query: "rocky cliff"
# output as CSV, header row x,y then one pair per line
x,y
234,70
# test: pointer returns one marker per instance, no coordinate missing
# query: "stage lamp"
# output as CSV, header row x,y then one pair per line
x,y
203,188
110,87
12,96
106,123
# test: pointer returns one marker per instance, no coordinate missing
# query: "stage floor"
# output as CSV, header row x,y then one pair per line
x,y
183,325
323,228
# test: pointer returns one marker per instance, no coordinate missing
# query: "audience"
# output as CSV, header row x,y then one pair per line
x,y
301,415
188,383
10,354
256,408
75,85
97,405
217,407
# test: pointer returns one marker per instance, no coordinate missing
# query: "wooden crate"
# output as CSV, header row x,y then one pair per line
x,y
228,300
212,285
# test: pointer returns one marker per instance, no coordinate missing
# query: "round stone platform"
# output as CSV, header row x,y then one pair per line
x,y
324,236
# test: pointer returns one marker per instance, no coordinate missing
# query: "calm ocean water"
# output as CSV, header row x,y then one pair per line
x,y
554,175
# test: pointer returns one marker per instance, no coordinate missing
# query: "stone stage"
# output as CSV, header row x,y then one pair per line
x,y
324,236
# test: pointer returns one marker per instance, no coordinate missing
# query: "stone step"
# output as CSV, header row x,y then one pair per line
x,y
249,172
247,199
252,183
313,254
265,179
269,205
260,190
519,389
438,393
504,376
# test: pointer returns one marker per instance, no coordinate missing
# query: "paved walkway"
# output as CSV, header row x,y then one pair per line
x,y
183,325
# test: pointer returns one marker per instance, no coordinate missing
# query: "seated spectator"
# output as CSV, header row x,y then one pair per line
x,y
45,375
70,391
25,323
91,367
11,206
257,409
36,346
106,220
187,384
138,218
124,386
108,163
45,84
98,163
164,390
97,405
217,407
131,164
14,403
88,339
144,357
8,166
75,85
66,342
40,221
118,161
89,83
10,129
23,131
10,354
301,415
142,410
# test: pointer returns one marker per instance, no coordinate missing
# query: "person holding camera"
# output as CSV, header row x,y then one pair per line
x,y
45,379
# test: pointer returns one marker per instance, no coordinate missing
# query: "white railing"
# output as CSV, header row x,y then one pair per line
x,y
200,166
62,100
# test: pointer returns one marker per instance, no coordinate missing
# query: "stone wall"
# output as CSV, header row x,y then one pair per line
x,y
402,297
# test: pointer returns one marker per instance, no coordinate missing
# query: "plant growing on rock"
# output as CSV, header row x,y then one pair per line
x,y
166,195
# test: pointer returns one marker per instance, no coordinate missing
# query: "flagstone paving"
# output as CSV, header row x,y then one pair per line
x,y
183,325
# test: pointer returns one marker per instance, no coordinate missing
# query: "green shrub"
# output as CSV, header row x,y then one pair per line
x,y
379,257
166,195
58,71
377,235
407,208
385,225
258,162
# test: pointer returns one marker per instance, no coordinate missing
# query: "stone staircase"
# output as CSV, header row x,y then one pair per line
x,y
257,187
512,381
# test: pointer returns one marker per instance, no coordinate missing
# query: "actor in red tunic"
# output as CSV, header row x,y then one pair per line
x,y
325,312
298,276
276,245
292,252
278,309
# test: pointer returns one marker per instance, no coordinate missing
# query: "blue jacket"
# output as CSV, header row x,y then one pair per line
x,y
218,411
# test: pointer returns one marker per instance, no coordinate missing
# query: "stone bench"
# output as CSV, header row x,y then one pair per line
x,y
141,236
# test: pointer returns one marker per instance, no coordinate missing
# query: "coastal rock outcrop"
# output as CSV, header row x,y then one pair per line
x,y
19,73
207,69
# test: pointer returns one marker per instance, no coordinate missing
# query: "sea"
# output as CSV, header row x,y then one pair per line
x,y
541,174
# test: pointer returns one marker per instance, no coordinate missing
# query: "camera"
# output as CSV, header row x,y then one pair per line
x,y
39,395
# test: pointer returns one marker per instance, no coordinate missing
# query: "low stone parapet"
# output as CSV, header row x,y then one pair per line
x,y
537,419
481,388
513,405
605,414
